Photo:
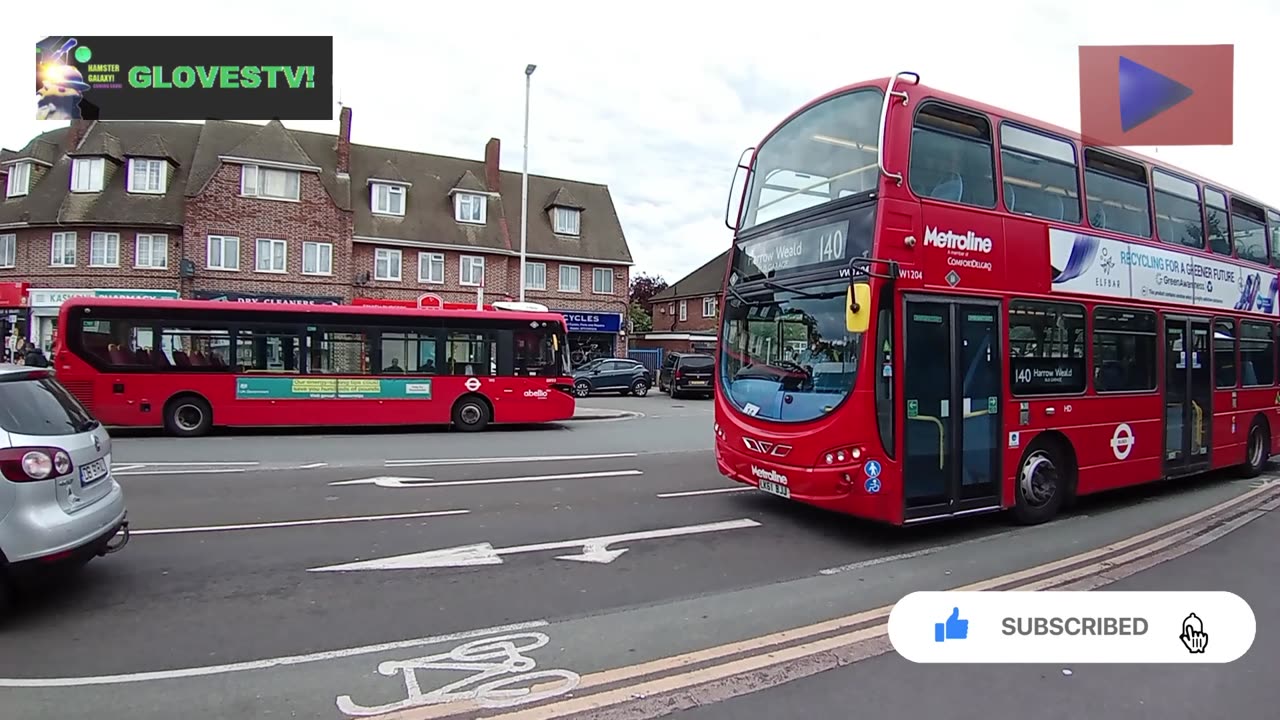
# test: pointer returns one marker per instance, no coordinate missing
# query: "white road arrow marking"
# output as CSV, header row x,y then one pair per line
x,y
594,550
391,481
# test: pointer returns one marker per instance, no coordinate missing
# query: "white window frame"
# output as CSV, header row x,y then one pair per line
x,y
568,221
19,183
8,250
223,241
153,240
392,191
466,278
109,259
147,166
534,267
275,247
251,183
431,261
388,254
57,259
87,174
324,258
577,279
709,306
684,310
471,199
596,274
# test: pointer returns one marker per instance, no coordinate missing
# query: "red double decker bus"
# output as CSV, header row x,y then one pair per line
x,y
190,365
936,308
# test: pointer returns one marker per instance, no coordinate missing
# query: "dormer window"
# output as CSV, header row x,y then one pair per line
x,y
269,183
566,220
87,174
148,176
470,208
388,199
19,179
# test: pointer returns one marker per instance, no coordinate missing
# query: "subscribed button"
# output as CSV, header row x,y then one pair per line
x,y
1072,627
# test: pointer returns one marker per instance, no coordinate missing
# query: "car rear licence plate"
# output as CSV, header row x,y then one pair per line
x,y
775,488
93,472
697,382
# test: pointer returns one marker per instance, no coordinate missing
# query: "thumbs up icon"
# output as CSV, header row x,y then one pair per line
x,y
1193,637
953,629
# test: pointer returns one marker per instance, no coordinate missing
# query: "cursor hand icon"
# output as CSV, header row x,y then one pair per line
x,y
1193,637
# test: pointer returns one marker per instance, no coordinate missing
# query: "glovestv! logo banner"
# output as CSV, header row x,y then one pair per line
x,y
184,78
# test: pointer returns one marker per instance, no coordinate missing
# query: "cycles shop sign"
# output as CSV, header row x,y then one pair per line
x,y
595,322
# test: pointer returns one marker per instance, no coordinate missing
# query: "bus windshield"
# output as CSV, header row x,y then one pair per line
x,y
785,354
826,153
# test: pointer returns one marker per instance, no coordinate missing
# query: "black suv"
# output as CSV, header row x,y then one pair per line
x,y
683,373
612,375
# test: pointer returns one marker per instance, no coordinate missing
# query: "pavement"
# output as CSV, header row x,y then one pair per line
x,y
339,574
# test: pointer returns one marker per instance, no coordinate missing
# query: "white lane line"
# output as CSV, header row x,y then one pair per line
x,y
122,468
263,664
298,523
713,491
312,466
499,460
184,471
939,548
404,482
199,464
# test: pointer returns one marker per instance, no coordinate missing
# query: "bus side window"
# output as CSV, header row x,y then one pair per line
x,y
470,353
882,363
1256,357
1046,348
952,156
1124,350
1040,177
1216,224
338,352
1116,191
1178,219
193,349
413,351
1224,353
1273,229
1249,231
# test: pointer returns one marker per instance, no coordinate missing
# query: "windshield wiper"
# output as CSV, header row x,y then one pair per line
x,y
740,298
812,296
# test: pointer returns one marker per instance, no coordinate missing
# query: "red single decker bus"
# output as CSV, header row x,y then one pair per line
x,y
188,365
936,308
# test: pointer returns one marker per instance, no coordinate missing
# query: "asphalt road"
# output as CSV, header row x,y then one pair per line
x,y
891,688
216,608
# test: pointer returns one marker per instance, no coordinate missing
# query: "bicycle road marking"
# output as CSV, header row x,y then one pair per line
x,y
489,659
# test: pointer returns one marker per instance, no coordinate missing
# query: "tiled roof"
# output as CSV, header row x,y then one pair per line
x,y
706,280
100,144
196,151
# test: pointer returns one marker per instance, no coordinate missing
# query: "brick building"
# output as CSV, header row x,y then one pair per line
x,y
685,314
231,211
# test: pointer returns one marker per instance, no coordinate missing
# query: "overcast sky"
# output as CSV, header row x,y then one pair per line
x,y
658,99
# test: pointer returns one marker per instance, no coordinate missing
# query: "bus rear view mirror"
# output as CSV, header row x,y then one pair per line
x,y
857,312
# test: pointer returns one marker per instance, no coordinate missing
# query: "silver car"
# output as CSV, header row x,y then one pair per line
x,y
59,504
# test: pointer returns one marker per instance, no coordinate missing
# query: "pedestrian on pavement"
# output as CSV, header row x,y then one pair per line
x,y
34,357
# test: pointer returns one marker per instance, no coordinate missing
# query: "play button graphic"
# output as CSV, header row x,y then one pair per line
x,y
1145,93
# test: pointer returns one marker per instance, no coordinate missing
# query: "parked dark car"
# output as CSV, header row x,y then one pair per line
x,y
687,373
612,375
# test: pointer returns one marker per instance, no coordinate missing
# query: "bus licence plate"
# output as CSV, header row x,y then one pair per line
x,y
775,488
93,472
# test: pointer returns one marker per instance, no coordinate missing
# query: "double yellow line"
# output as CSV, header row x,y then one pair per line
x,y
690,670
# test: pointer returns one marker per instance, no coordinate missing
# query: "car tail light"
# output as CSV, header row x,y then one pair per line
x,y
34,463
676,375
840,456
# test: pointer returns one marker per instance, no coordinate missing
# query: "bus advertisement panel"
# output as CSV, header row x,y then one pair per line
x,y
938,308
191,365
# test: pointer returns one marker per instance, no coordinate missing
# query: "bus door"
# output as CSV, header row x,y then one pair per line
x,y
1188,395
952,380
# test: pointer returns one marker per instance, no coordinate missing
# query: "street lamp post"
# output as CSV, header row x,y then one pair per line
x,y
524,181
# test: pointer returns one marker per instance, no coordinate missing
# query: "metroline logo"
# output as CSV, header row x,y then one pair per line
x,y
772,475
934,237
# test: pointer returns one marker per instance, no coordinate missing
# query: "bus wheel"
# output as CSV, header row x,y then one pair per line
x,y
188,416
471,413
1042,484
1258,450
582,388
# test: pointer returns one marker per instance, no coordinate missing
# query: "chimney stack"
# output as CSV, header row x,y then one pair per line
x,y
492,152
75,134
344,140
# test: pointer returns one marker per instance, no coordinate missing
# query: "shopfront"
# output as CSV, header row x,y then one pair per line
x,y
592,334
44,304
278,298
13,317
